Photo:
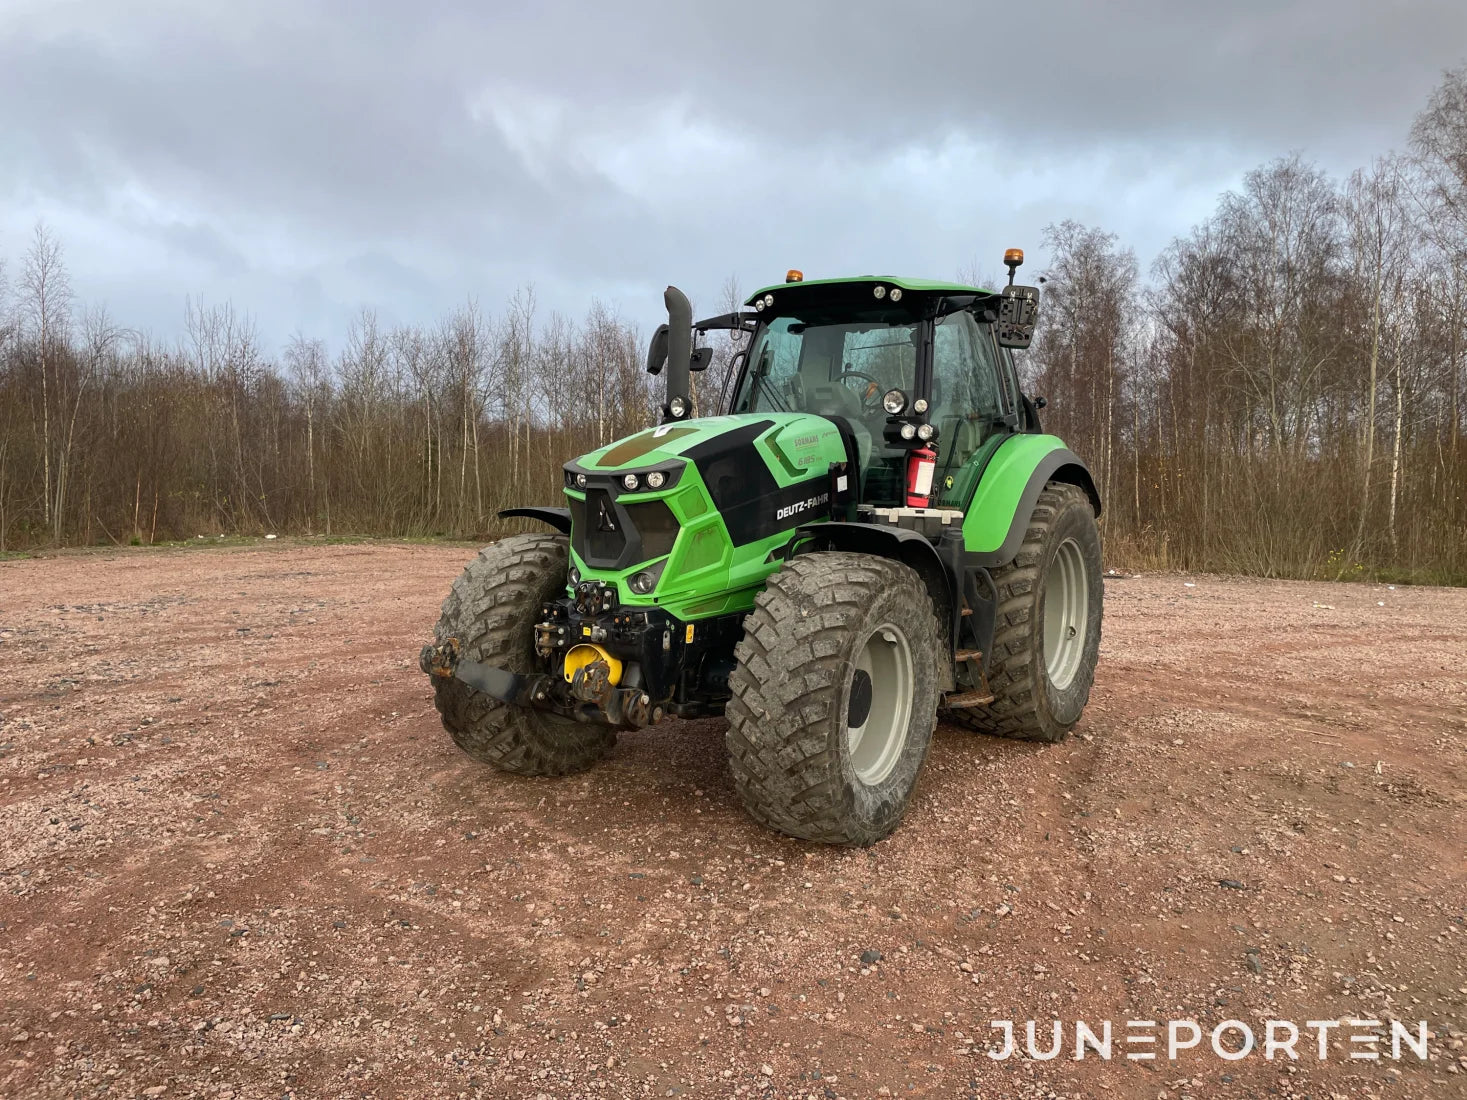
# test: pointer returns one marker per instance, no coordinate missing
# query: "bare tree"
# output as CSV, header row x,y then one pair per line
x,y
1377,225
1083,352
46,305
305,360
1439,148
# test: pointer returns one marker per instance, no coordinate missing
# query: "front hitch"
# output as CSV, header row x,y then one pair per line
x,y
444,661
590,697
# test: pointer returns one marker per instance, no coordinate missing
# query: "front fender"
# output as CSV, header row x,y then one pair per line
x,y
559,518
998,515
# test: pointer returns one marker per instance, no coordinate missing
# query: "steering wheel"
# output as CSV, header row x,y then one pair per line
x,y
871,395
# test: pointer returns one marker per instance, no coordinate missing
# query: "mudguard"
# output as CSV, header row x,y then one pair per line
x,y
998,515
559,518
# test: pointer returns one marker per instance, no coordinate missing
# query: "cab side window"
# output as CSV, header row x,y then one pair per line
x,y
967,401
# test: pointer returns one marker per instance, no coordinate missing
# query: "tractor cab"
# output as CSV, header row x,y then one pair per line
x,y
904,366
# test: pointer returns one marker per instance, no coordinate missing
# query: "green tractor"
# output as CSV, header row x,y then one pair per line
x,y
874,533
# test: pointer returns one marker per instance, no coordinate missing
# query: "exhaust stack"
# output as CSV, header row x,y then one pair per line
x,y
679,404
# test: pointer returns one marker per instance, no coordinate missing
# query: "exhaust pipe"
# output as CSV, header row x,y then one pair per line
x,y
679,404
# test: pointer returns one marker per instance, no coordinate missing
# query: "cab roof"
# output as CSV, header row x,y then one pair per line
x,y
915,286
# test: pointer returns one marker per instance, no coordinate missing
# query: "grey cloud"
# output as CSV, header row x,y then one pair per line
x,y
306,159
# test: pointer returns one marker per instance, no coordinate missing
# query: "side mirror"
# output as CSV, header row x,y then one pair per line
x,y
657,351
700,358
1018,311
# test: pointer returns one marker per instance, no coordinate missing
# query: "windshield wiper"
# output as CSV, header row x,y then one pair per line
x,y
760,382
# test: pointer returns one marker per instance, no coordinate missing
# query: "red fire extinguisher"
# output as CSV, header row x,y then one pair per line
x,y
921,465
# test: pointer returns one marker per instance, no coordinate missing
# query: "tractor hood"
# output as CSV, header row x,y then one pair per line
x,y
794,435
703,490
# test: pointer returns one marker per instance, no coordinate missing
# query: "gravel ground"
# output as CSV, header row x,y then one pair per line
x,y
240,857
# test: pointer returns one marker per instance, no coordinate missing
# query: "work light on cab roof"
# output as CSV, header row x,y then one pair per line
x,y
871,460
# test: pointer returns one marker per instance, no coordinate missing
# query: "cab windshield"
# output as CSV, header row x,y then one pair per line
x,y
843,367
831,369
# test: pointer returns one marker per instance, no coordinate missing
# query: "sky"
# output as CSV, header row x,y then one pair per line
x,y
304,159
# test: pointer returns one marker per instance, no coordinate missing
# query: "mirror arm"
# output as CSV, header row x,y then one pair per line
x,y
744,321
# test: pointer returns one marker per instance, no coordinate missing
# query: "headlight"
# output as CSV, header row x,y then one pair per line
x,y
581,481
643,582
878,292
630,482
920,405
575,576
678,406
656,479
894,401
924,431
909,431
896,294
768,300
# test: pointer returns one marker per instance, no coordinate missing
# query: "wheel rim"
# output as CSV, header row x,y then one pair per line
x,y
1066,613
881,686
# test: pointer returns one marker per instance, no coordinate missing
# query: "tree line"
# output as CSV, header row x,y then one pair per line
x,y
1283,394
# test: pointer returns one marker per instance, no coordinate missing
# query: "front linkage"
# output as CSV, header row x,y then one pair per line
x,y
627,668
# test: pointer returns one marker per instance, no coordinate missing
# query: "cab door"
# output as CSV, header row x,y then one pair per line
x,y
974,404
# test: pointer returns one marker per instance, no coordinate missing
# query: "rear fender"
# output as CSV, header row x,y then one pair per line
x,y
999,513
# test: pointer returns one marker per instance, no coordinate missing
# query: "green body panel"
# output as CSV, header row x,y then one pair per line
x,y
706,574
953,488
799,446
1001,487
919,286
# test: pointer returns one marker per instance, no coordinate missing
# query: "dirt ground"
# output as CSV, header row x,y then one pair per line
x,y
240,857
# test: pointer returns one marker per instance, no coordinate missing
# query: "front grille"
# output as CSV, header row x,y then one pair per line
x,y
657,527
605,533
608,535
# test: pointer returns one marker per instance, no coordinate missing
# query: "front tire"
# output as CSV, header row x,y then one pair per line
x,y
1047,636
491,610
834,698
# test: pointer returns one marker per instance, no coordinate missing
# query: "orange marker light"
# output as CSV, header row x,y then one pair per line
x,y
1013,257
793,276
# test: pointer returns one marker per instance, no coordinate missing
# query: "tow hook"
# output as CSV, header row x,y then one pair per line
x,y
439,660
592,683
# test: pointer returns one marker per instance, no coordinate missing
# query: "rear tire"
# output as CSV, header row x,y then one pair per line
x,y
1047,635
834,698
491,610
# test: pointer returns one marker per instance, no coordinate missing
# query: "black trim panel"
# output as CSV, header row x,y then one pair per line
x,y
744,491
853,471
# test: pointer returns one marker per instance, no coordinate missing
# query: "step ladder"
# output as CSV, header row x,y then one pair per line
x,y
973,658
